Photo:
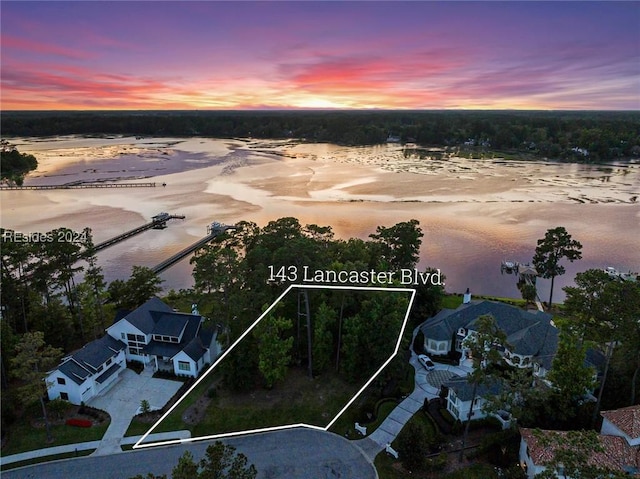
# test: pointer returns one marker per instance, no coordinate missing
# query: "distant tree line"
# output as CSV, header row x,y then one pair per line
x,y
572,136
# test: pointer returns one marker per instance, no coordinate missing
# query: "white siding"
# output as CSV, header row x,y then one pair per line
x,y
70,387
526,462
125,327
611,429
184,358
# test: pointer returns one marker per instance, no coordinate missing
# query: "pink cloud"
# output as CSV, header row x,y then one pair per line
x,y
32,46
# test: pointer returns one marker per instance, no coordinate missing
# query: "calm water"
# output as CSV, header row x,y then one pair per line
x,y
474,213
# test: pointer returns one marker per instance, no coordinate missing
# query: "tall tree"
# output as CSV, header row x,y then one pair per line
x,y
141,286
32,359
483,346
556,245
572,379
322,343
274,348
221,461
606,312
399,244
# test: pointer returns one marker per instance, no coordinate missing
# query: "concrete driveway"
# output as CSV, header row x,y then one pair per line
x,y
123,399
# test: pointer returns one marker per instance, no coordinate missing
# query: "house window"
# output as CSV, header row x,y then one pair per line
x,y
123,336
131,337
140,338
442,347
184,366
64,396
61,381
108,361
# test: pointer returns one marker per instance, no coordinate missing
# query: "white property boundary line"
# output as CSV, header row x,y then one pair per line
x,y
138,444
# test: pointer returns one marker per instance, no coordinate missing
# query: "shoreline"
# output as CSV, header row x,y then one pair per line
x,y
469,223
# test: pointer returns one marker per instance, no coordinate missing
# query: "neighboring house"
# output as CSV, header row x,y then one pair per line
x,y
87,372
151,334
532,337
176,342
623,422
459,394
536,453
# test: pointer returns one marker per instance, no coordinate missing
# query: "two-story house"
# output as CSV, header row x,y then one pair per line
x,y
531,336
153,334
167,340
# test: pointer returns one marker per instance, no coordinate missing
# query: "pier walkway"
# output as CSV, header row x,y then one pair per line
x,y
213,230
78,186
158,222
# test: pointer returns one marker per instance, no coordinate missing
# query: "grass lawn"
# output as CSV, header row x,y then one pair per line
x,y
24,437
389,468
54,457
451,301
298,399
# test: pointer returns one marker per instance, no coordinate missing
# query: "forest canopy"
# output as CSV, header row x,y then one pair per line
x,y
585,136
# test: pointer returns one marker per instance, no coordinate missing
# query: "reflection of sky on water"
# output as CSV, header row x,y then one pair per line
x,y
470,225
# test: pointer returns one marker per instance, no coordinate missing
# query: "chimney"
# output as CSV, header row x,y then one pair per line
x,y
467,297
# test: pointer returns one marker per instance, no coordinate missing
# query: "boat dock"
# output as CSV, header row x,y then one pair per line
x,y
78,186
213,230
157,222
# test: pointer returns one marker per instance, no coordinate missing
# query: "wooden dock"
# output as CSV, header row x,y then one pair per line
x,y
128,234
79,186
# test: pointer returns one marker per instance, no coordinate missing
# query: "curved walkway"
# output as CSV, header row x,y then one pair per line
x,y
427,386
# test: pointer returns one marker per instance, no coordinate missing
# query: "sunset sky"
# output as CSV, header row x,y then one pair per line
x,y
263,55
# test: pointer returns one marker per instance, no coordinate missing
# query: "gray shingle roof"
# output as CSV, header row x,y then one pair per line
x,y
74,371
108,373
464,389
95,353
528,333
169,324
87,360
199,345
141,317
191,327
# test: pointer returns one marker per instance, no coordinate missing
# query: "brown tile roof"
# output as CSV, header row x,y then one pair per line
x,y
616,454
626,419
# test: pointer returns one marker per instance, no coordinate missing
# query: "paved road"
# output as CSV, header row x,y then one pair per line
x,y
290,454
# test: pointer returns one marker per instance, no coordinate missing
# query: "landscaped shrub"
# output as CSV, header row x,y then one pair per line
x,y
77,422
446,415
136,366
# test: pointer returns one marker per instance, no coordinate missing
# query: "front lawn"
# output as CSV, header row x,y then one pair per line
x,y
23,436
298,399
